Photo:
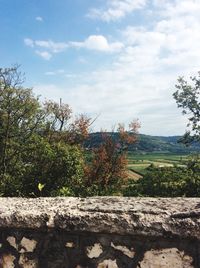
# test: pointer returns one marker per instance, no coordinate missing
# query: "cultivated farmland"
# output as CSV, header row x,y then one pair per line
x,y
138,163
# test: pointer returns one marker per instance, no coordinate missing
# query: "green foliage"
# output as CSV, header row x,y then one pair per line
x,y
168,182
187,97
50,166
41,147
35,160
40,186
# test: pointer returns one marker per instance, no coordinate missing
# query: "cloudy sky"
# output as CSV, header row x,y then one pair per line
x,y
115,59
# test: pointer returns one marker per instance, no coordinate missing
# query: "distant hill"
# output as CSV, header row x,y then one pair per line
x,y
147,143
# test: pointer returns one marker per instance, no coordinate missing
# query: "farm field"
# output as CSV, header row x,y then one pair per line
x,y
138,163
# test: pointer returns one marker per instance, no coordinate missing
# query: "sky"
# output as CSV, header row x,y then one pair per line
x,y
116,60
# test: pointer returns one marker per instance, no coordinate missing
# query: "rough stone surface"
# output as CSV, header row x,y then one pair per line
x,y
166,258
28,245
105,232
124,250
12,241
26,263
94,251
135,216
69,245
108,264
8,261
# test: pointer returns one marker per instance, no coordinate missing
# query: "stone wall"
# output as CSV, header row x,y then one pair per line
x,y
100,232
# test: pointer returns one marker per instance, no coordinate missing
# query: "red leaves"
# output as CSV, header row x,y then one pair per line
x,y
108,165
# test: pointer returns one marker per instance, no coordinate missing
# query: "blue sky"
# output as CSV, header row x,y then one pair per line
x,y
118,59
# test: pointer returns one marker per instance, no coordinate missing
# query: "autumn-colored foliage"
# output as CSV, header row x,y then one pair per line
x,y
107,168
79,129
61,127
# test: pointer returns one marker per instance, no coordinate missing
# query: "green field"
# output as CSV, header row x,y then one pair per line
x,y
140,162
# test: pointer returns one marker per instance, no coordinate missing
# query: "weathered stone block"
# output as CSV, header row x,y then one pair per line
x,y
104,232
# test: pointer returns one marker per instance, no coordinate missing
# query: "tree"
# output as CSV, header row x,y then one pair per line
x,y
108,166
57,115
28,156
187,97
59,126
20,118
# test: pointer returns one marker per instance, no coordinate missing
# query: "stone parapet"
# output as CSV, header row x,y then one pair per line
x,y
100,232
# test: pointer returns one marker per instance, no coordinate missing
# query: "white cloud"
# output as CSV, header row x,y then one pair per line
x,y
50,73
50,47
99,43
93,42
172,44
56,72
116,100
140,81
116,9
44,54
29,42
40,19
54,47
172,8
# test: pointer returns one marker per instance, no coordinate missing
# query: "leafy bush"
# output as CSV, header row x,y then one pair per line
x,y
168,182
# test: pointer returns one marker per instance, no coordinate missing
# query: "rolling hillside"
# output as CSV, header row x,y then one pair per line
x,y
147,143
